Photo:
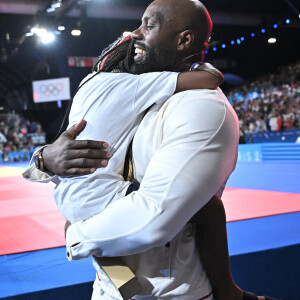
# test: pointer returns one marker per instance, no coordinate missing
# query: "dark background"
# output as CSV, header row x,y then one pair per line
x,y
23,59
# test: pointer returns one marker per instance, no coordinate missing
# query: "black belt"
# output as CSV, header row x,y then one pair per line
x,y
133,187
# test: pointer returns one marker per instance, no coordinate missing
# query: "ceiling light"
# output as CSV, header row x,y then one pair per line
x,y
61,28
76,32
39,31
272,40
47,38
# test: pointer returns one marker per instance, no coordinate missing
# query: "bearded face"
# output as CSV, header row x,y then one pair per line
x,y
157,57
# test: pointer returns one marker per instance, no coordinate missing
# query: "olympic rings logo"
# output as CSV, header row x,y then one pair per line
x,y
51,89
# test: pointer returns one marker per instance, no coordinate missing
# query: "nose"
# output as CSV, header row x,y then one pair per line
x,y
137,34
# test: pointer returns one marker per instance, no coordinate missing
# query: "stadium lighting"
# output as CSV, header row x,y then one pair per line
x,y
263,30
214,48
29,34
242,38
287,21
223,45
238,41
275,26
76,32
253,34
232,42
39,31
126,33
47,38
272,40
54,6
61,28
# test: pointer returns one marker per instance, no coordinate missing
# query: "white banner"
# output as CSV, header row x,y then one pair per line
x,y
51,89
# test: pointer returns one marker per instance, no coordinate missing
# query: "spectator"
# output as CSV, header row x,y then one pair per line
x,y
270,102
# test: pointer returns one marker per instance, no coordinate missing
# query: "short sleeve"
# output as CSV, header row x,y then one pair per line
x,y
156,87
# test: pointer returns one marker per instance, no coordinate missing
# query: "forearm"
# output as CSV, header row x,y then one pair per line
x,y
203,77
211,238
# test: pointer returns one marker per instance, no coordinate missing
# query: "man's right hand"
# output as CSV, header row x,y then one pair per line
x,y
70,157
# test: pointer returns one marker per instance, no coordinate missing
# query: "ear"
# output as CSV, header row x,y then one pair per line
x,y
185,40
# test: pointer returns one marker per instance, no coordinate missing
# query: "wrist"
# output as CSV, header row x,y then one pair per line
x,y
39,161
41,158
45,158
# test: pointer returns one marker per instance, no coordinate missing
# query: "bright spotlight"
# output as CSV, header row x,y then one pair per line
x,y
271,40
29,34
287,21
238,41
275,26
39,31
126,33
61,28
214,48
223,45
232,42
263,30
48,38
253,34
242,38
76,32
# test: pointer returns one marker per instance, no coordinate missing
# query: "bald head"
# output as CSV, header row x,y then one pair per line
x,y
187,14
173,35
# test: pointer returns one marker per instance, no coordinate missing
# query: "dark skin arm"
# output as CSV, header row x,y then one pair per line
x,y
204,77
211,239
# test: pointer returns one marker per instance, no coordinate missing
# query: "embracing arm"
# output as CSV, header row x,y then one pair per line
x,y
192,163
205,76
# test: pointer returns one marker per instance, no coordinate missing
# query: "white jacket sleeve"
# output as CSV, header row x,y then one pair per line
x,y
197,154
35,175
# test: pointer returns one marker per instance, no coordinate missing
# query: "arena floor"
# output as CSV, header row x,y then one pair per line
x,y
262,202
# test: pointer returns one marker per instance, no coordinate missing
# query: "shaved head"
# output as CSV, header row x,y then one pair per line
x,y
173,35
187,14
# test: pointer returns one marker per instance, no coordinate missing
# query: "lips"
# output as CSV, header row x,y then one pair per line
x,y
139,53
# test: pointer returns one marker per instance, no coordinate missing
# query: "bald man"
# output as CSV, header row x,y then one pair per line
x,y
183,153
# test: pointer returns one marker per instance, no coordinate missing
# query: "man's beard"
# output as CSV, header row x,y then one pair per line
x,y
157,58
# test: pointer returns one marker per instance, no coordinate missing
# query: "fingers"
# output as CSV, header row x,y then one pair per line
x,y
91,154
87,144
79,171
83,165
75,130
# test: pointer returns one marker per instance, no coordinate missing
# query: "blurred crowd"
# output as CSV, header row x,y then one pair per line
x,y
17,135
270,102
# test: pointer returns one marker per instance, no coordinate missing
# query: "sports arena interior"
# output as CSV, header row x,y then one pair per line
x,y
48,46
